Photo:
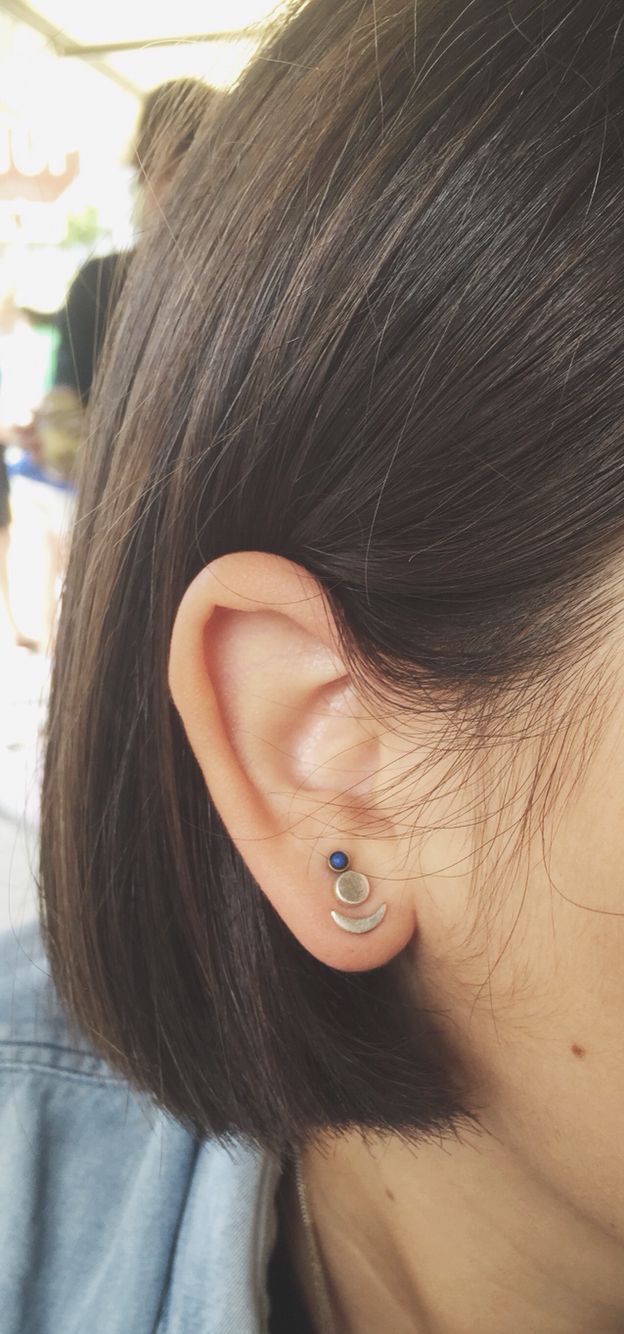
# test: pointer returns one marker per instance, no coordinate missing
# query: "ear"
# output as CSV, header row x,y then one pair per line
x,y
290,755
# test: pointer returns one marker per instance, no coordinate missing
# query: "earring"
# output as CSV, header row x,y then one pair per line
x,y
351,887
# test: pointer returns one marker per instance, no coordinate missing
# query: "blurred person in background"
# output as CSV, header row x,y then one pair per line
x,y
9,630
169,121
10,317
170,118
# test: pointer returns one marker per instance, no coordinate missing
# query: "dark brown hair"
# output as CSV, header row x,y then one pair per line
x,y
170,118
379,332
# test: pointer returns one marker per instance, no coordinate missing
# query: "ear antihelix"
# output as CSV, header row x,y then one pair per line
x,y
351,888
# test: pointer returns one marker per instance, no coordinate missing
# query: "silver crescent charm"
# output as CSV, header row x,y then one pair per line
x,y
359,924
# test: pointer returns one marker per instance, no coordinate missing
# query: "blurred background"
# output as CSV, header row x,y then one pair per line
x,y
74,78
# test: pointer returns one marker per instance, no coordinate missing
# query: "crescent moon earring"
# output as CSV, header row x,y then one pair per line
x,y
352,888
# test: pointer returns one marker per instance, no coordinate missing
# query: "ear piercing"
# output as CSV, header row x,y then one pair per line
x,y
351,888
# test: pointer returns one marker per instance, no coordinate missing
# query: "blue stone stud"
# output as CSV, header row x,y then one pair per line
x,y
338,861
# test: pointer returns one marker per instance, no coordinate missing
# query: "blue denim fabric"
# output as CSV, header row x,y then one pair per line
x,y
113,1220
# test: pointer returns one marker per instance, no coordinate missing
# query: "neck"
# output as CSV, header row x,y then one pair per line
x,y
448,1238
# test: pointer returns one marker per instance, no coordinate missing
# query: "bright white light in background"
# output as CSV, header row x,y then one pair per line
x,y
65,97
219,63
146,20
69,103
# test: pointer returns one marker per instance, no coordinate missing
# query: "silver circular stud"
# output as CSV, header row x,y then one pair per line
x,y
351,887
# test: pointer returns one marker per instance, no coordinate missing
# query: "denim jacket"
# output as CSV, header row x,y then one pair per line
x,y
114,1220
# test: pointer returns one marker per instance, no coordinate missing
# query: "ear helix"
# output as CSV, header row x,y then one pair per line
x,y
352,888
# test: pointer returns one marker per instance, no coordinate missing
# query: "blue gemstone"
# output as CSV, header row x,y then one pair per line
x,y
338,861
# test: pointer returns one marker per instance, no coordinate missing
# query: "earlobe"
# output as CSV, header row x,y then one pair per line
x,y
287,754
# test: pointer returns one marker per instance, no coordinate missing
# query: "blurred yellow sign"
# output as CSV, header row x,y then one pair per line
x,y
30,166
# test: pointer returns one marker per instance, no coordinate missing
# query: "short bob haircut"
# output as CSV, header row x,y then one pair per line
x,y
380,332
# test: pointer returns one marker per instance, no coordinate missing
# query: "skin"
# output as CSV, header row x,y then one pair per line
x,y
512,928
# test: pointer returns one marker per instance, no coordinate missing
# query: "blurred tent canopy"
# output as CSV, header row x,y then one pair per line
x,y
140,44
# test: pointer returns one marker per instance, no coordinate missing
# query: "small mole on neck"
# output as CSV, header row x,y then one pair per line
x,y
389,1194
577,1050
